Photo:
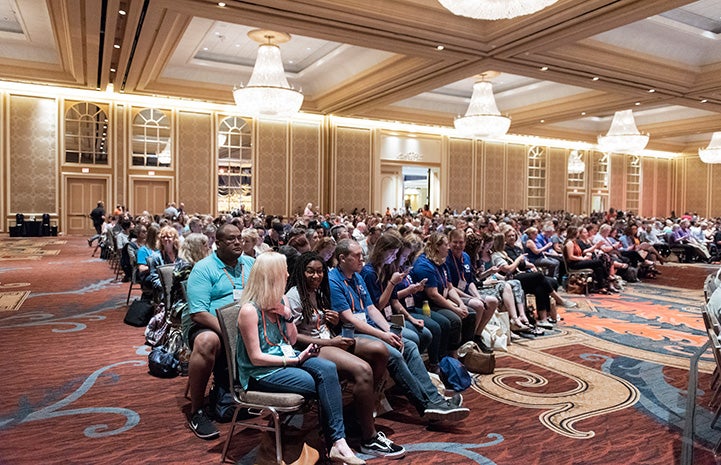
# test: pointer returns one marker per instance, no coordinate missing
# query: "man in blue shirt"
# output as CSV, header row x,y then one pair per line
x,y
215,281
350,299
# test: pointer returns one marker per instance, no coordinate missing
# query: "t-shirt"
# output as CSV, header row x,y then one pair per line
x,y
349,294
375,289
316,327
460,269
436,275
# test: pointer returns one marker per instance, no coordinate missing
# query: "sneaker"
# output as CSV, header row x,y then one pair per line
x,y
381,446
456,400
544,324
201,425
569,303
445,411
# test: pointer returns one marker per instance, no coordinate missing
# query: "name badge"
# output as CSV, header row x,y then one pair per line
x,y
360,316
288,350
237,294
387,311
409,301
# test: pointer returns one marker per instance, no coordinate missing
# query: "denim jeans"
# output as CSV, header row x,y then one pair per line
x,y
421,336
461,329
434,329
408,371
317,378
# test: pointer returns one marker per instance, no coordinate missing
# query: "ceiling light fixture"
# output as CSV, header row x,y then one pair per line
x,y
122,12
482,119
440,47
712,153
623,136
575,163
495,9
268,91
544,68
595,78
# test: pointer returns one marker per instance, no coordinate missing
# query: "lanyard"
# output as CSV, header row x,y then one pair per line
x,y
461,276
242,278
350,294
280,330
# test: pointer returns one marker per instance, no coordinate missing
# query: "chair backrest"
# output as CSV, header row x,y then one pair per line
x,y
165,272
228,320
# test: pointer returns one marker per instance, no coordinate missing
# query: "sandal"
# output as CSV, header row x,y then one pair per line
x,y
536,331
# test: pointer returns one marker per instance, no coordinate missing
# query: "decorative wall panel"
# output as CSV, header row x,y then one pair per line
x,y
272,179
460,173
715,188
352,178
648,181
556,179
196,162
119,155
305,166
696,185
662,200
493,185
617,182
516,177
480,199
33,155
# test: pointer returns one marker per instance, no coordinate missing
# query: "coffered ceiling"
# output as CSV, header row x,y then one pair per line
x,y
563,71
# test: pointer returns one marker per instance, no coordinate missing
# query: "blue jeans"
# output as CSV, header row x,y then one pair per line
x,y
460,329
317,378
421,336
408,371
429,324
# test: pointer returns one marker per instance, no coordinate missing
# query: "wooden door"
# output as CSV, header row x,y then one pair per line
x,y
575,204
150,195
82,195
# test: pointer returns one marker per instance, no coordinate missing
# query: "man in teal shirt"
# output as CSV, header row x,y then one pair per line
x,y
215,281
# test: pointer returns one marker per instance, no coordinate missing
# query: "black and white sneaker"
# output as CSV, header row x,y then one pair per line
x,y
202,426
445,410
381,446
456,400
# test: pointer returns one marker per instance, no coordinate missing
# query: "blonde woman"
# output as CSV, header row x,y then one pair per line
x,y
266,358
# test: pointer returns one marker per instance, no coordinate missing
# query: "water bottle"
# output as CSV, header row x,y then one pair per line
x,y
426,308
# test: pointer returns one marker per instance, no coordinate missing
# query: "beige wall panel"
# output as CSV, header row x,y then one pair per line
x,y
33,155
493,190
195,162
272,178
648,181
617,182
556,180
662,199
120,154
305,166
82,195
516,174
352,168
479,200
715,187
460,173
696,186
150,195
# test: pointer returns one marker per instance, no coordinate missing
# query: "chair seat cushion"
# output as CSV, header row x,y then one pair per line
x,y
274,399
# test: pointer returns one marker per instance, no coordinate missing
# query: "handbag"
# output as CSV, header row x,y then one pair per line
x,y
157,327
139,313
454,374
475,360
163,363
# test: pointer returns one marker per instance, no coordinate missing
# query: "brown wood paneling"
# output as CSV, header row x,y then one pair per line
x,y
556,166
150,195
516,174
696,185
494,176
617,181
648,181
82,195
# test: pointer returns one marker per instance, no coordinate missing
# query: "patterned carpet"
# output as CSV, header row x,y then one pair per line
x,y
607,387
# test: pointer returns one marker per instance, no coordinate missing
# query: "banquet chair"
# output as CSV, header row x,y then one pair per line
x,y
257,402
165,272
135,278
581,275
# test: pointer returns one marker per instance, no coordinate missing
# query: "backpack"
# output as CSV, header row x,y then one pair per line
x,y
454,374
157,327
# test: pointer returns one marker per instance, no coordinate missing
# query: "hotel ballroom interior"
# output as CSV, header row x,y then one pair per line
x,y
144,102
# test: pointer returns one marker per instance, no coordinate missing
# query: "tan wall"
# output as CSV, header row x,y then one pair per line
x,y
301,162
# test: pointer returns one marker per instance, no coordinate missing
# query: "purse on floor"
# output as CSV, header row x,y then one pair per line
x,y
475,360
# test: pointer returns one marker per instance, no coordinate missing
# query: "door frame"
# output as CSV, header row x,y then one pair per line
x,y
109,201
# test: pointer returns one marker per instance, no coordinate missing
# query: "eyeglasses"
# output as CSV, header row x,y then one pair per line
x,y
167,237
232,239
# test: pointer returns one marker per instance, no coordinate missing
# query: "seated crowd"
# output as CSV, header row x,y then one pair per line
x,y
318,293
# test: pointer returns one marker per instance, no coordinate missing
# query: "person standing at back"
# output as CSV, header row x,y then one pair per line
x,y
97,215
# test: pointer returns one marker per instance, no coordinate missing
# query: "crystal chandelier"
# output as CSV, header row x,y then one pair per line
x,y
268,92
575,163
482,118
495,9
623,137
712,153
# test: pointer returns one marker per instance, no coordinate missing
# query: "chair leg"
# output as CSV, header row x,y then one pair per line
x,y
278,443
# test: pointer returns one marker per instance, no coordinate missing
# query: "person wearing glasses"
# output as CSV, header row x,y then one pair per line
x,y
215,281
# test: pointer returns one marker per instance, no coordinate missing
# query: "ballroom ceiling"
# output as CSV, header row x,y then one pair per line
x,y
564,71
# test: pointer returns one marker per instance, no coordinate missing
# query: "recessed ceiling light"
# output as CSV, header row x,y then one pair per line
x,y
637,103
112,70
652,90
704,100
205,49
221,4
116,46
595,78
544,68
440,47
290,61
543,121
583,113
237,45
122,12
